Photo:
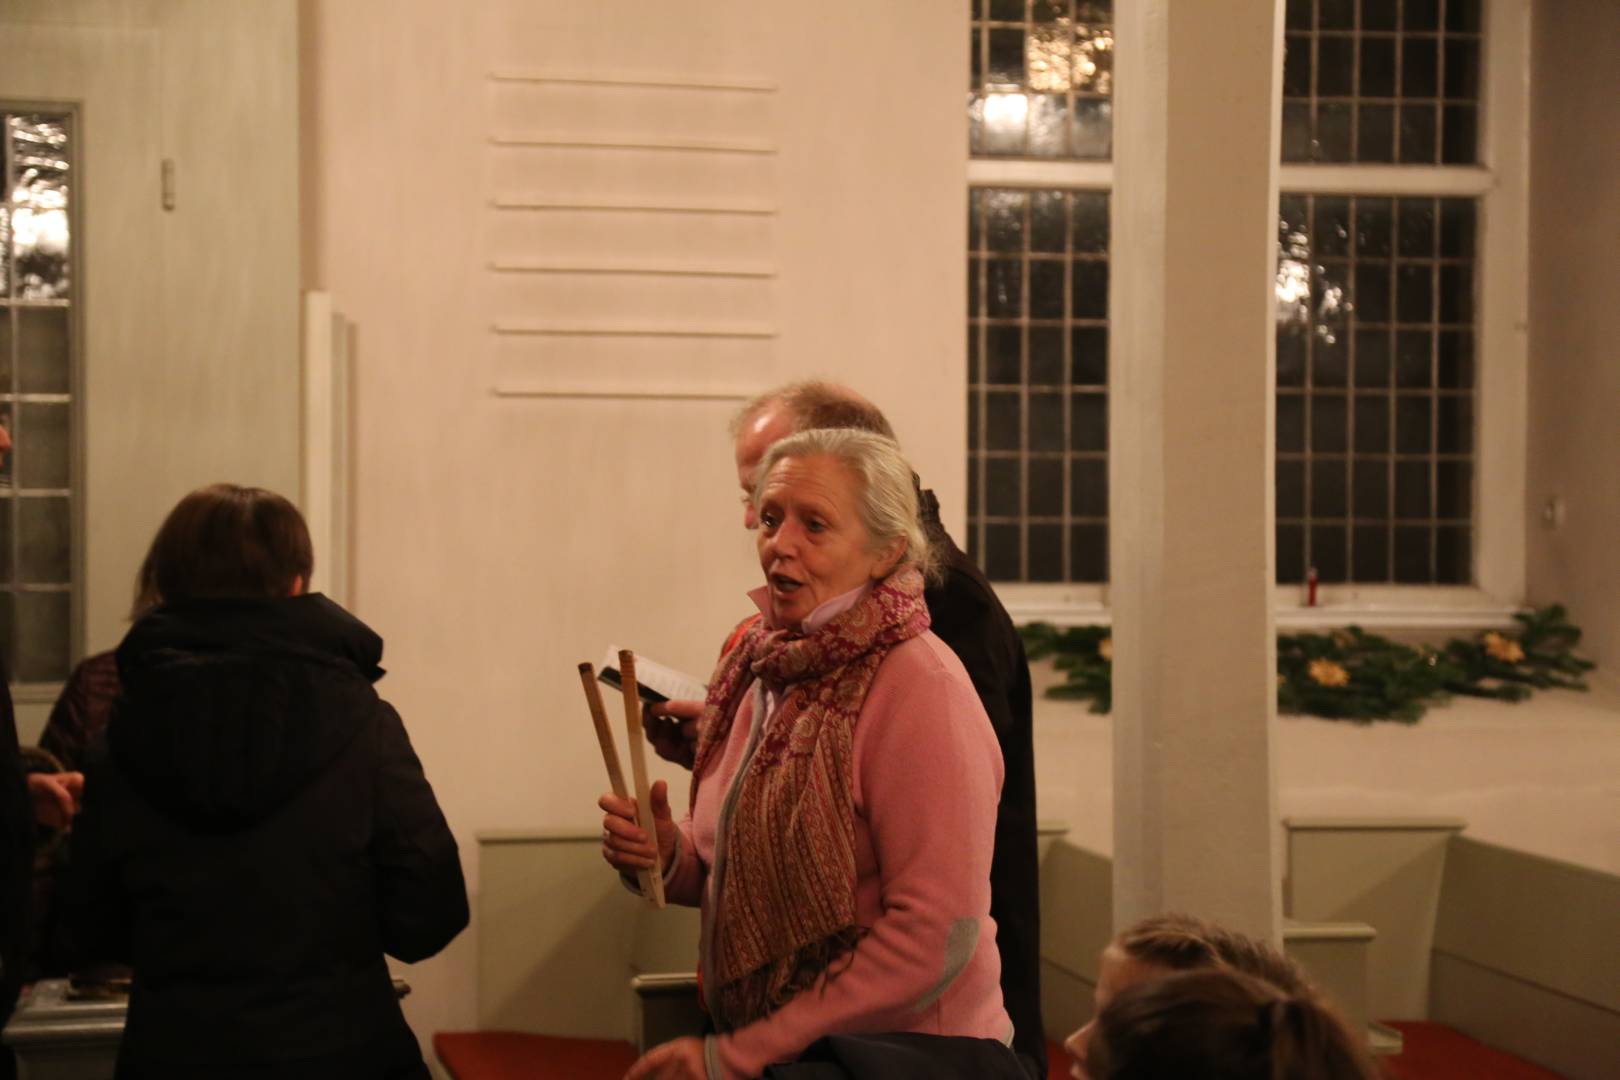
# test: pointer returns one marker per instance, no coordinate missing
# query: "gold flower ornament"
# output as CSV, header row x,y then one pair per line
x,y
1329,673
1503,648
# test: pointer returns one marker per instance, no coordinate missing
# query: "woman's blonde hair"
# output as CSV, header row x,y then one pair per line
x,y
888,493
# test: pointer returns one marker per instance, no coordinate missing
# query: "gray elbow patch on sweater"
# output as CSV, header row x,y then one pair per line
x,y
960,945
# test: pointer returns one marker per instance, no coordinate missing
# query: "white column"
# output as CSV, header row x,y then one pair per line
x,y
325,458
1191,416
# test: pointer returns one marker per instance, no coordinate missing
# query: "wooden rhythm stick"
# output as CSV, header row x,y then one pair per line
x,y
610,751
638,766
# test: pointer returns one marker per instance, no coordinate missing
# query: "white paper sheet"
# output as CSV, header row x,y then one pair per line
x,y
656,681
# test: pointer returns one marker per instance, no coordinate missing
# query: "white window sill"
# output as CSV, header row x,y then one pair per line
x,y
1058,614
1376,617
1060,605
1395,609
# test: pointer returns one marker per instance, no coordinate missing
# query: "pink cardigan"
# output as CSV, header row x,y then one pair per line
x,y
927,779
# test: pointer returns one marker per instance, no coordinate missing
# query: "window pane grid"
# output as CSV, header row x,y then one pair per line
x,y
1375,389
1385,81
1041,82
36,398
1037,384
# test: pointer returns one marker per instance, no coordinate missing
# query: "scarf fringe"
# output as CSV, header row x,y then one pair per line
x,y
763,991
786,913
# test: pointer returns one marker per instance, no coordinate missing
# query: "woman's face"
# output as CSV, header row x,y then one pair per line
x,y
813,545
1117,971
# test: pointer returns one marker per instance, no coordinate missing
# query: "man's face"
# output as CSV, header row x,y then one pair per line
x,y
770,425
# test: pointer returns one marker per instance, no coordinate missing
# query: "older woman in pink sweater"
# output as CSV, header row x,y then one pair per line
x,y
844,796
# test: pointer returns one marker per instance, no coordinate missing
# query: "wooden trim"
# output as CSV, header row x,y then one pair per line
x,y
639,142
627,81
656,269
589,393
1442,180
639,204
1017,172
1502,303
520,327
1330,823
1326,931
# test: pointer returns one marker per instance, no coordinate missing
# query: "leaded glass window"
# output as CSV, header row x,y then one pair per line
x,y
36,396
1041,88
1375,389
1038,384
1382,81
1042,79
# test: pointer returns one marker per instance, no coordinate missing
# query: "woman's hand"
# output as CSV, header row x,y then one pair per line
x,y
672,728
679,1059
56,797
624,844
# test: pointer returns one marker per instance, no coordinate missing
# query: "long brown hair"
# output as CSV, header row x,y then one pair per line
x,y
1185,943
1222,1025
225,540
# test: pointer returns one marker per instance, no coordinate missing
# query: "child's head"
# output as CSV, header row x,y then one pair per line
x,y
1222,1025
1176,942
1165,944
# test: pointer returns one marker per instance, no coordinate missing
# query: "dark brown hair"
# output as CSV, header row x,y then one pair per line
x,y
1184,943
1222,1025
818,404
146,590
229,541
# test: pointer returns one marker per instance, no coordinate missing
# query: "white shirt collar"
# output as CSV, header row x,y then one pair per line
x,y
823,614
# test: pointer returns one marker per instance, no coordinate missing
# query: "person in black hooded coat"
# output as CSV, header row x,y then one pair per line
x,y
259,832
16,868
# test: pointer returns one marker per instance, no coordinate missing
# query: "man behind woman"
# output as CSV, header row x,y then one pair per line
x,y
259,832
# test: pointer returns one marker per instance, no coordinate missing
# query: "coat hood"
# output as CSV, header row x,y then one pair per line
x,y
230,707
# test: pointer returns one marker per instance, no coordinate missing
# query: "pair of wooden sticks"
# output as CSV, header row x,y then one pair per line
x,y
651,881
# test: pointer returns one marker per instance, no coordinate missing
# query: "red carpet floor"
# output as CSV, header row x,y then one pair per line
x,y
1437,1052
509,1055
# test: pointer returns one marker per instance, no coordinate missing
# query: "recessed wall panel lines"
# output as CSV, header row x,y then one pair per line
x,y
632,234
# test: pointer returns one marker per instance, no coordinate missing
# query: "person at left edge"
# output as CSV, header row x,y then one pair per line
x,y
26,801
260,832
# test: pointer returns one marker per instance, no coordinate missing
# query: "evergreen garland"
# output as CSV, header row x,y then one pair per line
x,y
1350,674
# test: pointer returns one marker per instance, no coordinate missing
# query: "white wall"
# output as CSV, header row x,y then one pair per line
x,y
1574,320
190,316
501,540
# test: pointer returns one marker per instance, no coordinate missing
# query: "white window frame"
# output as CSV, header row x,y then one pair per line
x,y
1501,184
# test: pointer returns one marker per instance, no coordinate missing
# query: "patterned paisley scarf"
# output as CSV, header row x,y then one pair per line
x,y
786,909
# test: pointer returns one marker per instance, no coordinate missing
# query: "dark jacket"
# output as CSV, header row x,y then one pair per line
x,y
969,618
903,1056
257,837
81,710
16,864
77,721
